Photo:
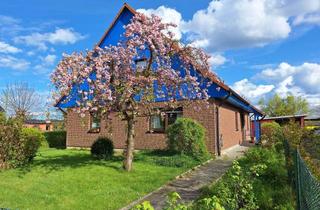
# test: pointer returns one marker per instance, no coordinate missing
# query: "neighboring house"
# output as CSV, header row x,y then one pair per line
x,y
43,125
313,121
282,120
2,109
226,119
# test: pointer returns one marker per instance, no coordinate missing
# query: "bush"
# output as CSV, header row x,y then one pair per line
x,y
186,136
10,143
18,145
258,180
271,133
31,139
102,148
56,139
293,133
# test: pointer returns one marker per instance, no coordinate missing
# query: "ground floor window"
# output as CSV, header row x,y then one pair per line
x,y
95,121
160,122
157,123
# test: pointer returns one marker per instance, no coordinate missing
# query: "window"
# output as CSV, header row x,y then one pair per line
x,y
141,65
236,121
159,122
94,123
172,116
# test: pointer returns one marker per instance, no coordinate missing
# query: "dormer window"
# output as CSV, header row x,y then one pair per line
x,y
141,65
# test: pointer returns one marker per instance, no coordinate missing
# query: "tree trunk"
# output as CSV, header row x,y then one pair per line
x,y
127,163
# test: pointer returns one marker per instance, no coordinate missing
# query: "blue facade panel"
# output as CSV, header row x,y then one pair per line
x,y
114,34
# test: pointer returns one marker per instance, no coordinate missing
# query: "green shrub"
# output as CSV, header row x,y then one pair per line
x,y
293,133
31,139
10,143
187,136
260,180
18,145
102,148
56,139
271,134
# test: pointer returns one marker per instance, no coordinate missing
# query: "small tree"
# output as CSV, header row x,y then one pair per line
x,y
128,77
19,99
290,105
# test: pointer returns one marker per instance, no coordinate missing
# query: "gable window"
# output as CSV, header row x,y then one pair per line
x,y
141,65
160,122
95,123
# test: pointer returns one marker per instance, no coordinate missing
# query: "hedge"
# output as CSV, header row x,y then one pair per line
x,y
56,139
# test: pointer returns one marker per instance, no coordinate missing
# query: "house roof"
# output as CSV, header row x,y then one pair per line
x,y
1,109
313,117
234,96
36,121
285,117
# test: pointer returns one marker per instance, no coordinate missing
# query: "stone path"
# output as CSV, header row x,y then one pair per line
x,y
190,184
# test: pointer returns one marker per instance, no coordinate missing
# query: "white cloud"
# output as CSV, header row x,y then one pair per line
x,y
7,48
13,63
50,59
45,65
229,24
217,60
168,15
305,76
59,36
9,25
313,19
7,20
300,80
234,24
250,90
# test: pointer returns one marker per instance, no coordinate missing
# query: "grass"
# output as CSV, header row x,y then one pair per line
x,y
71,179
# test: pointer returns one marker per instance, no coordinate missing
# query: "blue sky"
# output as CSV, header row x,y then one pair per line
x,y
259,47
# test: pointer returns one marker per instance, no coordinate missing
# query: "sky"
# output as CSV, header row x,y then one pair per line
x,y
258,47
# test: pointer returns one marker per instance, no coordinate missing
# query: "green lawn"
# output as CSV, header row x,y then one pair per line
x,y
71,179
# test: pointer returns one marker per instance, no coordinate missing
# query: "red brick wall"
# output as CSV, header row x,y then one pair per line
x,y
205,116
227,126
78,136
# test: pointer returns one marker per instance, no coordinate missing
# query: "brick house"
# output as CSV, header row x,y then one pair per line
x,y
226,120
42,125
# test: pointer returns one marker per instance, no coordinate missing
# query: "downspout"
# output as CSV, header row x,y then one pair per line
x,y
218,137
257,126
